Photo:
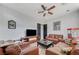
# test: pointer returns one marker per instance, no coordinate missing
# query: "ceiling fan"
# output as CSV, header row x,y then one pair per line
x,y
46,10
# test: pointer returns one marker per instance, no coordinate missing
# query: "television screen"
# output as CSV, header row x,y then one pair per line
x,y
30,32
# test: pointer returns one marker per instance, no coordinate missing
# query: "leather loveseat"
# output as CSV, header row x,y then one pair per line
x,y
20,48
57,49
55,38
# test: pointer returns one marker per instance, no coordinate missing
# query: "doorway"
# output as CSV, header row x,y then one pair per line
x,y
39,30
44,30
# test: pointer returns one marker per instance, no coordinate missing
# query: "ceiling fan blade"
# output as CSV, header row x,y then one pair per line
x,y
44,8
40,11
44,14
50,13
51,7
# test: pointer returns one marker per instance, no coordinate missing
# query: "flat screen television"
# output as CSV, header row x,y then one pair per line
x,y
30,32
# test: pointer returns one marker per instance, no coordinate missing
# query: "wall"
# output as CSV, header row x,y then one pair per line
x,y
67,21
22,23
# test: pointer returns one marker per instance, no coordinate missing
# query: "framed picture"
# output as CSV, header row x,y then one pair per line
x,y
56,25
11,24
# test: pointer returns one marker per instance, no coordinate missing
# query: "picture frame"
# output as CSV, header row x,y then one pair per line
x,y
11,24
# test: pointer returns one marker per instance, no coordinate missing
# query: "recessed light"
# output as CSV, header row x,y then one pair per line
x,y
63,3
67,10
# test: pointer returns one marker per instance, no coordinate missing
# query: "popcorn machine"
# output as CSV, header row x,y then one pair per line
x,y
73,32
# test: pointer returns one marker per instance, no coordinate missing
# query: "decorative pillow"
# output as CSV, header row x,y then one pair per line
x,y
66,50
12,50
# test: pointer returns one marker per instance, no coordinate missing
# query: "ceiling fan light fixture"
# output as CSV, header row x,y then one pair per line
x,y
63,3
67,10
46,10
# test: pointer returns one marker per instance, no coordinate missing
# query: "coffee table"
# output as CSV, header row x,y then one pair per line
x,y
45,43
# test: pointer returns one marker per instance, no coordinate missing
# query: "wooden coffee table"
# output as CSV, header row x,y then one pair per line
x,y
45,43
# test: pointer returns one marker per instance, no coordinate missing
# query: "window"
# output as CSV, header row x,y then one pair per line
x,y
56,25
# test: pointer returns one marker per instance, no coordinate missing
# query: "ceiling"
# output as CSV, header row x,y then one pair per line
x,y
31,9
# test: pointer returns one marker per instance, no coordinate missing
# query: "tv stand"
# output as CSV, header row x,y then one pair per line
x,y
30,36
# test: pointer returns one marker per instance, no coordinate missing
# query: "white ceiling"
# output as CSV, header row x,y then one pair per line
x,y
31,9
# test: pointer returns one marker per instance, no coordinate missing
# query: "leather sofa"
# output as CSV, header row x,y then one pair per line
x,y
24,44
22,49
57,49
55,38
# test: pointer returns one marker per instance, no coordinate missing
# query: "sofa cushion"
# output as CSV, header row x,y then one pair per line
x,y
30,50
12,50
61,45
54,50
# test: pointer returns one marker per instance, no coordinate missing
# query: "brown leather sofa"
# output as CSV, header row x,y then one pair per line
x,y
22,49
55,38
57,49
